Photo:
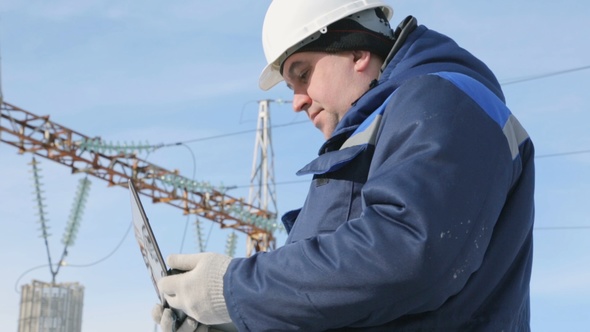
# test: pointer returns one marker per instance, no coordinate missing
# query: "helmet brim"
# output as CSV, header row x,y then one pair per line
x,y
269,77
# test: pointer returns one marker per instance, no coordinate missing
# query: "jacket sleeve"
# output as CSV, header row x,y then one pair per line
x,y
437,183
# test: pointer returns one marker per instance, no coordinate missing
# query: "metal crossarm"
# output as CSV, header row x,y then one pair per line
x,y
31,133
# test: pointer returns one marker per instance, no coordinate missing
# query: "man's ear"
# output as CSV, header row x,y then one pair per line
x,y
361,59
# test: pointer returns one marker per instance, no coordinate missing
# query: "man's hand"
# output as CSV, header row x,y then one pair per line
x,y
167,321
198,292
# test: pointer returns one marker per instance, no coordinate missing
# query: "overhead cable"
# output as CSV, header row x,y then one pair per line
x,y
537,77
504,83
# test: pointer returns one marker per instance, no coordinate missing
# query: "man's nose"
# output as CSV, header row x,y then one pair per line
x,y
301,102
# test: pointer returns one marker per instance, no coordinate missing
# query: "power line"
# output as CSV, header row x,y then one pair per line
x,y
227,135
515,81
276,183
536,157
508,82
560,228
537,77
110,254
560,154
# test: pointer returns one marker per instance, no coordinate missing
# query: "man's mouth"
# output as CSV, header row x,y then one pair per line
x,y
313,115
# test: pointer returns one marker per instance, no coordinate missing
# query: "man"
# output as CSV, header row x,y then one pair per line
x,y
420,213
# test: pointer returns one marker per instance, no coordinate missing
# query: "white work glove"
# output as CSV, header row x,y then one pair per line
x,y
198,292
167,321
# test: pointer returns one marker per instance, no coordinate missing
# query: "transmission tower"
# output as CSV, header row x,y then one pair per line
x,y
262,181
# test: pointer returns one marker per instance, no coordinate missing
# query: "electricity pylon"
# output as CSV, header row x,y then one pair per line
x,y
262,181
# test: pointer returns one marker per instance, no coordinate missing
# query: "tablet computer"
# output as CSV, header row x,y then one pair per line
x,y
152,256
148,245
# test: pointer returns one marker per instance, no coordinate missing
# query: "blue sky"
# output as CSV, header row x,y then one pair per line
x,y
131,71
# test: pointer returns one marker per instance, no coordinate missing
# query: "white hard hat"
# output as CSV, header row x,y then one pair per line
x,y
289,22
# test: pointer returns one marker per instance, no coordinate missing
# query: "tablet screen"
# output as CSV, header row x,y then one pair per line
x,y
148,246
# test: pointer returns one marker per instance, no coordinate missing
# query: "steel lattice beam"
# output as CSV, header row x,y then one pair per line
x,y
30,133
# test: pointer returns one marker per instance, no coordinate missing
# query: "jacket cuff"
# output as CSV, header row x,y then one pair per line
x,y
219,309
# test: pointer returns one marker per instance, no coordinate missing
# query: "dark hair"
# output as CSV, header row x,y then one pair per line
x,y
349,35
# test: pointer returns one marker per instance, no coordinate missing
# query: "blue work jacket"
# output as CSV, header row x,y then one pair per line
x,y
419,216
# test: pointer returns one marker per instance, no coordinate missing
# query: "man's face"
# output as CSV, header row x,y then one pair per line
x,y
324,86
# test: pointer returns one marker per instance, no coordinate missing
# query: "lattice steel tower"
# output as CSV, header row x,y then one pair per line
x,y
262,181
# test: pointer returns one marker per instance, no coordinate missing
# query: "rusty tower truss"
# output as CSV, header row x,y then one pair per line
x,y
30,133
